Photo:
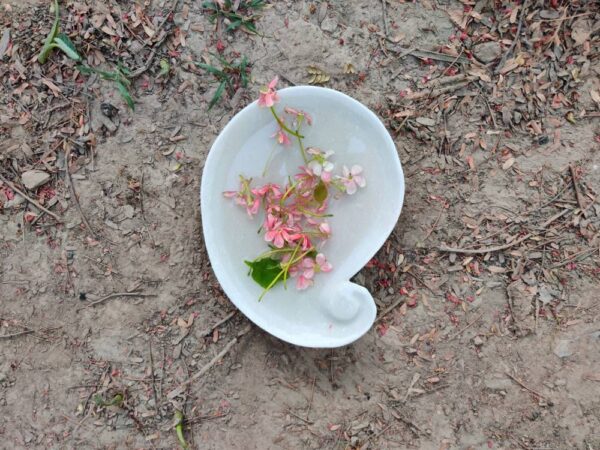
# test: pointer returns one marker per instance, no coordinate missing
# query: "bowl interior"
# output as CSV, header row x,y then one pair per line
x,y
360,223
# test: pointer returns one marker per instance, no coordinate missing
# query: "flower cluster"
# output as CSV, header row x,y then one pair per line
x,y
295,224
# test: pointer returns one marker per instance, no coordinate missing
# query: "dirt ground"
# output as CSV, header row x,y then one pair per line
x,y
498,349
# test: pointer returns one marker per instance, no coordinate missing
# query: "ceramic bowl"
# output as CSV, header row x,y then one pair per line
x,y
334,311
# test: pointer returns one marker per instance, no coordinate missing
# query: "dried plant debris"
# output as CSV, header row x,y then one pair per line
x,y
317,76
515,66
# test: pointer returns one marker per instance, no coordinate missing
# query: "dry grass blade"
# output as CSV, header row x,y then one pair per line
x,y
484,250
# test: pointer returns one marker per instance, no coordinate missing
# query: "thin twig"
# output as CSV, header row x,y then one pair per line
x,y
384,17
484,250
153,377
29,199
514,42
389,309
422,282
291,413
576,257
432,55
520,383
578,191
401,69
113,295
28,331
218,324
312,393
439,91
434,225
179,389
74,194
22,333
207,331
466,327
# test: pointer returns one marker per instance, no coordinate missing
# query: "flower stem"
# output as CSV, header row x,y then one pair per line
x,y
288,265
300,143
283,125
291,262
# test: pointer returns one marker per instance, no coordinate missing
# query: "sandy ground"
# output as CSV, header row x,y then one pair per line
x,y
466,362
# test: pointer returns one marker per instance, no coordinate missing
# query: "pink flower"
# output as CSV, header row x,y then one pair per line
x,y
245,197
298,113
303,239
308,265
325,229
282,137
322,265
268,95
321,169
353,179
303,283
272,191
278,233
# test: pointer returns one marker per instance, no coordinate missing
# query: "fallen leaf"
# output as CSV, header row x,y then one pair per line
x,y
471,162
581,31
425,121
318,76
108,31
54,88
496,269
149,31
349,68
508,163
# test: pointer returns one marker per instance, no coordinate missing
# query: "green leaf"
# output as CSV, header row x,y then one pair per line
x,y
210,69
87,70
179,419
126,95
249,25
124,70
218,94
116,401
165,67
210,5
43,56
63,42
265,271
234,24
321,192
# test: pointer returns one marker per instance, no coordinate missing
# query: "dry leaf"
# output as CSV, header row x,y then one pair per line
x,y
508,163
149,31
513,15
426,121
108,30
581,31
471,162
397,37
481,74
405,113
349,68
496,269
54,88
317,76
595,96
